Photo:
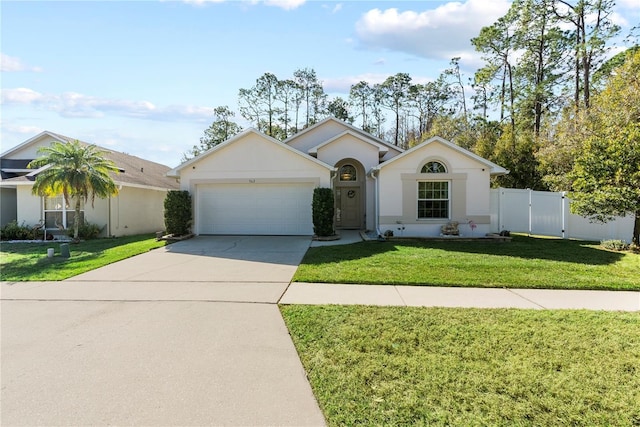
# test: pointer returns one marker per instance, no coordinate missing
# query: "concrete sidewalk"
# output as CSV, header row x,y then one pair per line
x,y
428,296
321,293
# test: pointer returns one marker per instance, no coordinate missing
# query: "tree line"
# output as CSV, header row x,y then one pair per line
x,y
540,104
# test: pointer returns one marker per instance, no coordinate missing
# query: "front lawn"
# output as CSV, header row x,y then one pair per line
x,y
397,366
28,261
525,262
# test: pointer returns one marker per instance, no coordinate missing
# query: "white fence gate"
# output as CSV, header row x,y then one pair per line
x,y
547,213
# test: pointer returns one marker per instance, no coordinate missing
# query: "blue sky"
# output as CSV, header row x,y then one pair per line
x,y
143,77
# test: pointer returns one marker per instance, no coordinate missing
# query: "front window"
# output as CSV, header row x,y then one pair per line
x,y
433,200
58,214
434,167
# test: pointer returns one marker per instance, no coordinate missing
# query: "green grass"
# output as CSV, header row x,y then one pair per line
x,y
404,366
525,262
28,261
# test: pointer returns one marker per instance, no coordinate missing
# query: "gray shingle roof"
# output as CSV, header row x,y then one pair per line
x,y
134,170
140,171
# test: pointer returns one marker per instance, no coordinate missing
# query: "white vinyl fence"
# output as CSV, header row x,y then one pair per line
x,y
547,213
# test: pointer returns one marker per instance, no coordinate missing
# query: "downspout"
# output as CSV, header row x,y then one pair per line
x,y
109,218
376,202
332,176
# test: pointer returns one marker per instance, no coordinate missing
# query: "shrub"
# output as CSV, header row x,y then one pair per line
x,y
177,212
13,231
615,245
323,210
86,231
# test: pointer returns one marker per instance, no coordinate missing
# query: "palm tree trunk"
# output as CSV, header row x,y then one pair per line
x,y
76,219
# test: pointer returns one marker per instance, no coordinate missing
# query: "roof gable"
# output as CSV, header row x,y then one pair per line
x,y
45,136
381,148
494,168
238,138
347,127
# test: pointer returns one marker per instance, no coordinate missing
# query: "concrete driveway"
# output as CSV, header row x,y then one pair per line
x,y
185,335
222,268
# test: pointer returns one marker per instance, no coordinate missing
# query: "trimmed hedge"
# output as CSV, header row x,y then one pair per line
x,y
178,212
323,211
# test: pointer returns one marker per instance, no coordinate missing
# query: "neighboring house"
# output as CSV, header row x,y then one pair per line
x,y
254,184
138,207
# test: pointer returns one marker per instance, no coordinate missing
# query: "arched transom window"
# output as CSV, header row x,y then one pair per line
x,y
348,173
434,167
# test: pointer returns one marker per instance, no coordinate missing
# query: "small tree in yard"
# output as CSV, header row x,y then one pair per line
x,y
606,175
177,212
322,208
78,171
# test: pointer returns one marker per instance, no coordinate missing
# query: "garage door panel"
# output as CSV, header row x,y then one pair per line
x,y
269,209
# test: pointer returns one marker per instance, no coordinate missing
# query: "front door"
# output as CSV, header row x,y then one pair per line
x,y
350,208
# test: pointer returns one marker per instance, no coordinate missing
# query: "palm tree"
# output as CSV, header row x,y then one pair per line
x,y
77,171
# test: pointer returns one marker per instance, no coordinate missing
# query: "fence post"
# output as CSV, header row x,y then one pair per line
x,y
530,214
500,213
562,210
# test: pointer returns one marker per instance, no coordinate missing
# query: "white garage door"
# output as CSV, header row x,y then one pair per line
x,y
268,209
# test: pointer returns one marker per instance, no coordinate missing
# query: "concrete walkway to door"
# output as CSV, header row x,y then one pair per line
x,y
185,335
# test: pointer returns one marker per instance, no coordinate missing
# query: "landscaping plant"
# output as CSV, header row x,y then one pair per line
x,y
14,231
78,171
615,245
86,231
178,212
323,211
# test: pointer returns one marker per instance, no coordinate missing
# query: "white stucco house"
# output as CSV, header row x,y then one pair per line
x,y
254,184
138,208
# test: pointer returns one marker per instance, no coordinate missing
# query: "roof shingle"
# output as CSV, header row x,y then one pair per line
x,y
134,170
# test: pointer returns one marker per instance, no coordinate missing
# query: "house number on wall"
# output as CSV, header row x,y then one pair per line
x,y
351,194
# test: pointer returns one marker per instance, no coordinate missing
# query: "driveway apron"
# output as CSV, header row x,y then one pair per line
x,y
185,335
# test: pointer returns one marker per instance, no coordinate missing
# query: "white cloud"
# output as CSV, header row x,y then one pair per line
x,y
130,141
11,63
283,4
71,104
440,33
21,129
202,2
20,95
343,84
629,4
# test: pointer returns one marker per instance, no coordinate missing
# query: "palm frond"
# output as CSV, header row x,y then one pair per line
x,y
75,170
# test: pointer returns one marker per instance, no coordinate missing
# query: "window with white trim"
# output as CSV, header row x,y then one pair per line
x,y
433,196
433,200
434,167
58,214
